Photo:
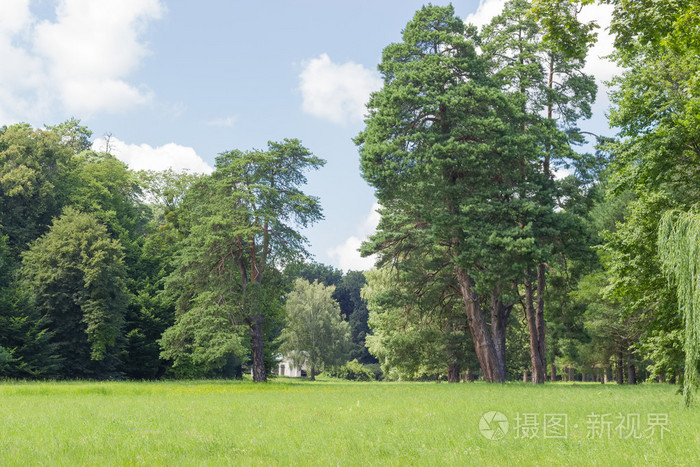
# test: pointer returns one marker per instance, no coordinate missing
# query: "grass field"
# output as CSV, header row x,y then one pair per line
x,y
330,422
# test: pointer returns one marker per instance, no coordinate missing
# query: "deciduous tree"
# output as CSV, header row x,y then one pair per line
x,y
76,277
315,333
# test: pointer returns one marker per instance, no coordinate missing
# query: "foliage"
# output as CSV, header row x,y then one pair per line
x,y
464,145
413,337
34,183
72,135
347,294
655,108
76,277
679,250
352,371
439,150
315,333
241,228
462,158
25,338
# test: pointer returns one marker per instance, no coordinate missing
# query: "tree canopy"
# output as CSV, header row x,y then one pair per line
x,y
504,249
315,334
242,228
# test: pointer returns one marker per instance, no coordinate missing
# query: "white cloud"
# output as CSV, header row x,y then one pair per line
x,y
14,15
486,10
226,122
346,256
146,157
601,68
561,173
337,92
80,62
20,72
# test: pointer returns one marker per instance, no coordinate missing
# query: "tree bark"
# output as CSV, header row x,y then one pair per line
x,y
313,374
539,314
571,374
468,376
535,353
499,318
619,375
453,372
631,372
483,343
256,338
550,83
552,372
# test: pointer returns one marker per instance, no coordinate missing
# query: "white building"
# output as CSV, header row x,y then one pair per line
x,y
285,367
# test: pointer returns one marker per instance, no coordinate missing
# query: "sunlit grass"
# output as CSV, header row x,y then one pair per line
x,y
328,422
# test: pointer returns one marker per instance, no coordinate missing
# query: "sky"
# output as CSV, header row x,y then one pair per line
x,y
173,83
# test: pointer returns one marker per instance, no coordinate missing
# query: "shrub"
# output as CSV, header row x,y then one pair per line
x,y
353,371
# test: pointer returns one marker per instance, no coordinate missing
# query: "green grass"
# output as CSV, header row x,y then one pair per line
x,y
328,422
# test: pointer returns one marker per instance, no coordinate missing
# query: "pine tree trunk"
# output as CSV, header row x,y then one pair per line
x,y
631,373
499,317
619,379
539,314
483,343
256,337
524,376
535,355
552,372
571,374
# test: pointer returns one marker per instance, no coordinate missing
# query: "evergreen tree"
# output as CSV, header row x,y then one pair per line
x,y
242,227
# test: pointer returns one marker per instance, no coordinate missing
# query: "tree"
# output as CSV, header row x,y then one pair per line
x,y
679,250
418,327
537,52
609,331
242,227
315,332
35,172
26,350
76,277
655,107
151,313
350,291
73,135
347,293
445,151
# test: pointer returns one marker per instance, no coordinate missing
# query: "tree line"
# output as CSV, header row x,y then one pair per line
x,y
504,249
499,234
110,273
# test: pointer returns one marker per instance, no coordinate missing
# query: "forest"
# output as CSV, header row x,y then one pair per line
x,y
505,250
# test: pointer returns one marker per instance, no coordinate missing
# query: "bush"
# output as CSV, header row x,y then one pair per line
x,y
375,368
353,371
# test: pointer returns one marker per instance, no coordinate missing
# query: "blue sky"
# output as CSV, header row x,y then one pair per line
x,y
175,82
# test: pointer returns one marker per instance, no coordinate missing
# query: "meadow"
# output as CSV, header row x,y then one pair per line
x,y
295,422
